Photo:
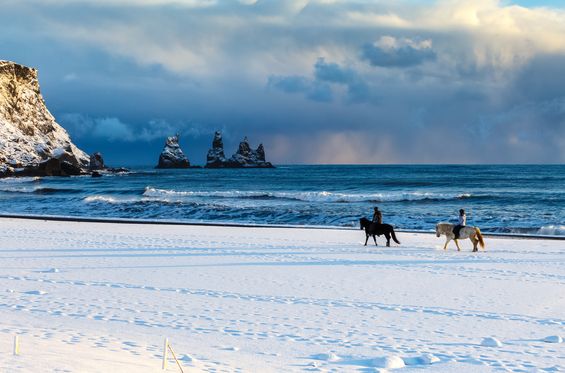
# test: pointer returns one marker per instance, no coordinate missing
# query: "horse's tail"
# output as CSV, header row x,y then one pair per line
x,y
394,236
480,237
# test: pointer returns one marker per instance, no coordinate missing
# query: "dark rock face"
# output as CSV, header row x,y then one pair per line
x,y
216,157
117,170
98,168
49,167
96,162
245,157
260,153
172,155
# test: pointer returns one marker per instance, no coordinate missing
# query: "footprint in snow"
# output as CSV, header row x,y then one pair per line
x,y
230,348
188,358
427,359
491,342
330,356
35,292
553,339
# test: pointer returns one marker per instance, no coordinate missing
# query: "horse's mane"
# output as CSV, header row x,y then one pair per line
x,y
444,223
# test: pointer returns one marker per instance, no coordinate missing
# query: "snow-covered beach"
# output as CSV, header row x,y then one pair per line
x,y
100,297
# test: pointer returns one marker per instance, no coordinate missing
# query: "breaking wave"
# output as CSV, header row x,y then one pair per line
x,y
108,199
552,230
20,180
37,190
547,230
322,196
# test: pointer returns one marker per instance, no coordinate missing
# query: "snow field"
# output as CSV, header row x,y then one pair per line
x,y
96,297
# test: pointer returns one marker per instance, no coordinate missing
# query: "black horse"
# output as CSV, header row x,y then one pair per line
x,y
372,229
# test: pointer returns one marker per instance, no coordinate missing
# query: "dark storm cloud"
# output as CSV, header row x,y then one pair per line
x,y
313,89
318,87
332,72
290,84
542,79
396,56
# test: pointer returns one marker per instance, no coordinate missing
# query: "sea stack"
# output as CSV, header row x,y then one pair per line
x,y
216,157
245,157
32,143
249,158
96,162
172,155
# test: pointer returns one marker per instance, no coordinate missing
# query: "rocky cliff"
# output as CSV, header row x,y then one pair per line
x,y
245,157
31,141
172,155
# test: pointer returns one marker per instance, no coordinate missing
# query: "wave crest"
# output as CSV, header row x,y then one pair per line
x,y
552,230
37,190
322,196
106,199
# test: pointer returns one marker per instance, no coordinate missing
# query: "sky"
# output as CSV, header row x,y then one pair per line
x,y
317,82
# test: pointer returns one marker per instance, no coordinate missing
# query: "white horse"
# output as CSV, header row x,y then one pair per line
x,y
472,233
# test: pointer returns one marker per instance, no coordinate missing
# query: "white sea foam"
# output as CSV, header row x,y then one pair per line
x,y
14,189
321,196
552,230
108,199
19,180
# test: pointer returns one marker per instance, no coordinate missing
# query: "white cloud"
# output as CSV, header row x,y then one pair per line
x,y
136,3
207,38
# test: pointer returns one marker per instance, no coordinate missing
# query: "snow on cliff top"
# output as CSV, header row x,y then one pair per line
x,y
28,131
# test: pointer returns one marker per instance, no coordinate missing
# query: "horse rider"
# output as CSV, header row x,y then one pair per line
x,y
377,216
461,224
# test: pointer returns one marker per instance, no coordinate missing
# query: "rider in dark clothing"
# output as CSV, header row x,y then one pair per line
x,y
377,216
462,223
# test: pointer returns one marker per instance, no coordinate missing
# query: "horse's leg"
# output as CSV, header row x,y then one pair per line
x,y
375,239
475,242
447,239
366,238
457,244
387,235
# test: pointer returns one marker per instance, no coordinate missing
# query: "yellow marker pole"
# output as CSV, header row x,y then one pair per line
x,y
16,345
165,348
177,360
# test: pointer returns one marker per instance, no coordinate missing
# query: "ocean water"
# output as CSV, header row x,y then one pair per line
x,y
527,199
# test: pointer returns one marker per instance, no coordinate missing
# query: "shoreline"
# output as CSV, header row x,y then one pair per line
x,y
79,219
